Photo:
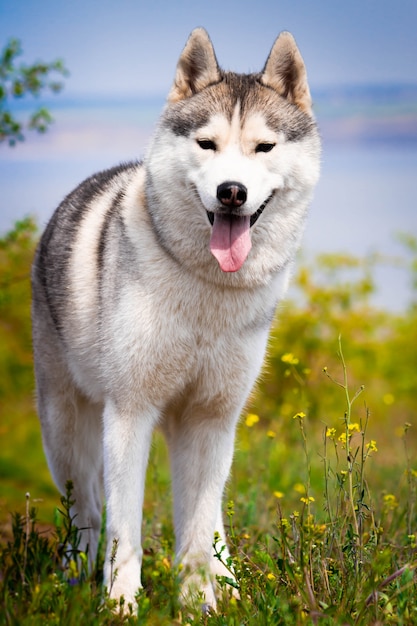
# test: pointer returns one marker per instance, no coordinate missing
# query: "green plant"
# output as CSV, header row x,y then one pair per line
x,y
17,82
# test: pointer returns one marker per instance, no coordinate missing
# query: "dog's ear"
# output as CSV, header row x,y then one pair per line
x,y
285,72
197,67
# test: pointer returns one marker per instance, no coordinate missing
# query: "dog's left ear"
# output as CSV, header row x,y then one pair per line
x,y
197,67
285,72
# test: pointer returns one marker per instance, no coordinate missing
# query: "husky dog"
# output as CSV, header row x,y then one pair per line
x,y
154,287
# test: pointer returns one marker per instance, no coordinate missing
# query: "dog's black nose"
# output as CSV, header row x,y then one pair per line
x,y
232,194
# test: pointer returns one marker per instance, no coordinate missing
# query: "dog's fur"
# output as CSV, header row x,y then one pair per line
x,y
154,287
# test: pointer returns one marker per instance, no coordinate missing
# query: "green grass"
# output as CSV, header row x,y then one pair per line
x,y
321,504
332,547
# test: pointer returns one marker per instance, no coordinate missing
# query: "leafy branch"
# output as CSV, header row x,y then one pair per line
x,y
18,81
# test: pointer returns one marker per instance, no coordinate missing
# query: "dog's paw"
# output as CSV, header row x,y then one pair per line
x,y
225,579
124,585
197,593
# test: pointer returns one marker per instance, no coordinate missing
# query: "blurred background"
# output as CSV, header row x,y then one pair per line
x,y
360,240
361,61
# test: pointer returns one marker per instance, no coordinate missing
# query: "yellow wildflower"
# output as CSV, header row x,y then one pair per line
x,y
270,576
331,433
299,415
289,358
342,438
73,569
251,419
307,500
271,434
371,446
390,502
353,428
388,399
299,488
278,494
401,432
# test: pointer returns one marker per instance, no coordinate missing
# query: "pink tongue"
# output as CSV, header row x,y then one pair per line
x,y
230,241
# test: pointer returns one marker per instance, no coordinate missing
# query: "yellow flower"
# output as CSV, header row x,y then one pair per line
x,y
307,500
288,357
342,438
299,415
353,428
251,419
278,494
73,569
271,434
390,502
371,446
331,433
270,576
388,399
299,488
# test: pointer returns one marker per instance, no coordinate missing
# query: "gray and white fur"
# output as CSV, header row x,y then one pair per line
x,y
154,287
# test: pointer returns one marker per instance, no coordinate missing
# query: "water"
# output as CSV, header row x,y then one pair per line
x,y
366,195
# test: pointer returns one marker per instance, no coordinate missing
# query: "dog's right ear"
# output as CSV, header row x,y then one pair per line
x,y
285,72
197,67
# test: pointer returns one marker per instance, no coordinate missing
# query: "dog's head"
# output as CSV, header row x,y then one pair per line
x,y
243,148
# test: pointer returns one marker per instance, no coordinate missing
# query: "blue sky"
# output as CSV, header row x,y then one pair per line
x,y
131,46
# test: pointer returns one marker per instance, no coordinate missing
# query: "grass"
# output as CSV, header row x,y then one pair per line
x,y
334,551
321,505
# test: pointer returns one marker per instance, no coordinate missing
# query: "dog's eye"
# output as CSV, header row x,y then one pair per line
x,y
206,144
264,147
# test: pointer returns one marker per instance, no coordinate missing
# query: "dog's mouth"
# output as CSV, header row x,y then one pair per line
x,y
253,218
230,241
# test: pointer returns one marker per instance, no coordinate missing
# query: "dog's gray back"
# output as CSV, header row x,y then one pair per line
x,y
53,257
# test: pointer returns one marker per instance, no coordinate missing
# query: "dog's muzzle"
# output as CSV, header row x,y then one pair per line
x,y
253,218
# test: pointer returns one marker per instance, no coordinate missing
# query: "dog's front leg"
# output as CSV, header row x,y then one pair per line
x,y
127,439
201,451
